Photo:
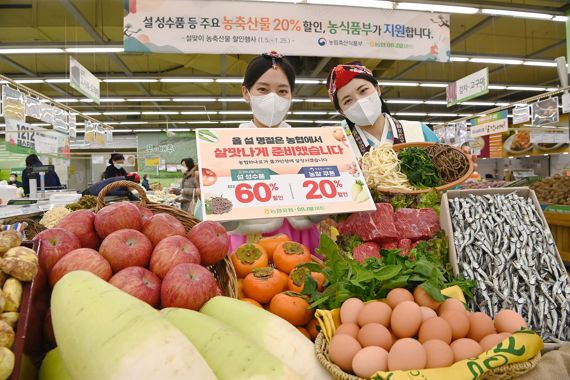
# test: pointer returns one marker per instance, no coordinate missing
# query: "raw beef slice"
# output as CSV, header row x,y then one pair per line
x,y
375,226
366,250
416,224
405,245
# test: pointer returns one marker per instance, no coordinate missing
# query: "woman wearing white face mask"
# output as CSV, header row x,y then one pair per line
x,y
115,167
356,95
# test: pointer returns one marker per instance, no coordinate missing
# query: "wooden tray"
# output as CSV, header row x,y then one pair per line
x,y
451,185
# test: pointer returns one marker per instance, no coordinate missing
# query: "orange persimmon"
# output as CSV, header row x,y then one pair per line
x,y
313,328
296,280
290,254
251,301
247,257
292,307
262,284
304,332
271,242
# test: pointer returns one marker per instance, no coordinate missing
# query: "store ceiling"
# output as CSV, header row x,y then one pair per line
x,y
76,23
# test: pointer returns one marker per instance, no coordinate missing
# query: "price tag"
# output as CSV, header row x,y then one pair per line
x,y
261,173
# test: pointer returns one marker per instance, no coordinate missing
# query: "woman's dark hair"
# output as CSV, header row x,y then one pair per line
x,y
261,64
14,174
33,159
145,176
116,157
188,162
364,76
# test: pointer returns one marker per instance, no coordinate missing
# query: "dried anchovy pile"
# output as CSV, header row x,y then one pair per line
x,y
503,244
450,163
219,205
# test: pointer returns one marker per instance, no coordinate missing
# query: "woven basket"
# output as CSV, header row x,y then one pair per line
x,y
509,371
223,271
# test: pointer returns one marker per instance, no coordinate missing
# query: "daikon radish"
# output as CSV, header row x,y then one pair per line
x,y
274,334
230,354
104,333
53,368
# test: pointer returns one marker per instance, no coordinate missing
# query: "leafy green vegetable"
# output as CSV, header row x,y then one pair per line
x,y
418,167
431,199
345,278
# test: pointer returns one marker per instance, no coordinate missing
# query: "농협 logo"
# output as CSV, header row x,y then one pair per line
x,y
322,41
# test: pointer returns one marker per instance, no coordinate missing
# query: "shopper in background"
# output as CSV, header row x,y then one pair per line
x,y
145,183
51,179
14,180
96,188
356,95
189,191
115,167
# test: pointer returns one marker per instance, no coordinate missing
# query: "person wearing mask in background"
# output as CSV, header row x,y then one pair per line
x,y
189,190
51,179
96,188
115,167
268,86
145,183
14,180
356,95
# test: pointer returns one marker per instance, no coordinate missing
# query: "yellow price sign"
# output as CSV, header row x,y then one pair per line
x,y
152,161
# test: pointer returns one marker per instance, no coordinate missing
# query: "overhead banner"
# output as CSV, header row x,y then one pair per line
x,y
13,104
24,138
271,172
241,27
469,87
83,81
488,125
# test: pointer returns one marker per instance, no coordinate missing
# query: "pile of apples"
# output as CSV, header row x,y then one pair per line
x,y
150,256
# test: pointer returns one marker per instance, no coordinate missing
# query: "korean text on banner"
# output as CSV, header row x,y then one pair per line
x,y
263,173
83,81
469,87
491,124
20,137
13,104
241,27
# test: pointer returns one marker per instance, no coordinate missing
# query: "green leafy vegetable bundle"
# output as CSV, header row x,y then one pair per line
x,y
416,164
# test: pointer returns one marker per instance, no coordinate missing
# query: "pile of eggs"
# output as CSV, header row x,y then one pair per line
x,y
412,331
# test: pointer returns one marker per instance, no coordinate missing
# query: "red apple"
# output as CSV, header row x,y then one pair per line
x,y
126,248
54,244
146,213
81,223
117,216
140,283
188,286
172,251
212,241
86,259
161,226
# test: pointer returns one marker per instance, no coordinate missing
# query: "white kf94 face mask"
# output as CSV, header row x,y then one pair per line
x,y
365,111
270,109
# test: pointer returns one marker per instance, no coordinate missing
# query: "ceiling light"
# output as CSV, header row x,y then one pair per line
x,y
31,51
118,113
504,12
297,100
198,122
502,104
57,80
161,113
66,100
435,102
540,63
525,88
317,100
443,114
130,80
352,3
298,121
120,131
309,113
92,113
133,122
458,59
229,80
497,61
85,100
438,85
198,113
404,101
234,121
186,80
400,84
111,100
550,89
411,114
29,81
465,115
148,99
40,125
331,121
179,129
147,130
95,50
485,104
496,87
234,100
560,18
235,112
194,99
436,8
307,81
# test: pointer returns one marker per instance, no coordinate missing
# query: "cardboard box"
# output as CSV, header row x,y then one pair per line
x,y
447,226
